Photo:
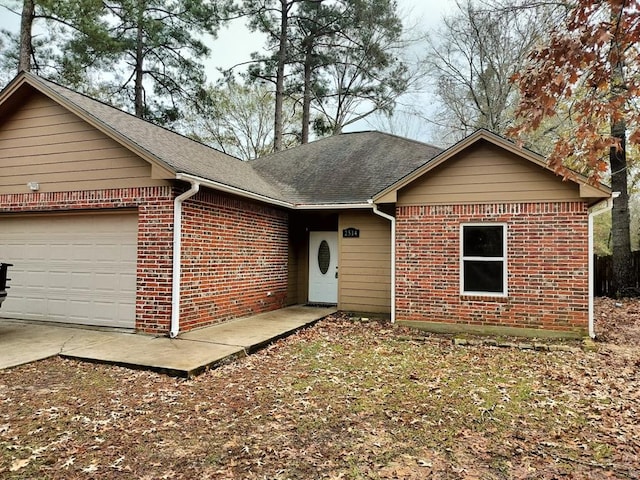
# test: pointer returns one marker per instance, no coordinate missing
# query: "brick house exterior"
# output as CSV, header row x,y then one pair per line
x,y
486,193
112,221
227,241
154,206
92,163
547,279
234,259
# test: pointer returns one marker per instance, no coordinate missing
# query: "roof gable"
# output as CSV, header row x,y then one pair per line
x,y
169,153
42,142
585,190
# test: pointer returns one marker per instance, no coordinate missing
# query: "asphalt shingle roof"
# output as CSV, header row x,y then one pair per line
x,y
345,168
342,169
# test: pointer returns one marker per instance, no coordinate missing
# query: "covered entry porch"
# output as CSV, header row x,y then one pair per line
x,y
340,257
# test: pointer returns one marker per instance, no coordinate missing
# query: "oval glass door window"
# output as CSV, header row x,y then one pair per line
x,y
324,256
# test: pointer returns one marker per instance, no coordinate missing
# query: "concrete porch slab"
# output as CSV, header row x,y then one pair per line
x,y
162,354
254,331
187,355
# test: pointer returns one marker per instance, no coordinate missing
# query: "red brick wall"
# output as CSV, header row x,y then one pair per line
x,y
234,259
547,264
155,239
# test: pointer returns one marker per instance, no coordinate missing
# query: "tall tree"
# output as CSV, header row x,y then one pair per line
x,y
365,72
472,57
153,51
314,30
26,27
272,17
592,60
56,20
342,58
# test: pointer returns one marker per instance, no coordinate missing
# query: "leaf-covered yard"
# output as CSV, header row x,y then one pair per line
x,y
342,399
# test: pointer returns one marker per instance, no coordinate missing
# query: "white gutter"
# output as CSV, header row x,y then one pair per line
x,y
392,219
331,206
229,189
177,255
263,198
599,208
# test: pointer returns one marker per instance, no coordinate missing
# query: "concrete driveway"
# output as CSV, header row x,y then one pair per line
x,y
189,354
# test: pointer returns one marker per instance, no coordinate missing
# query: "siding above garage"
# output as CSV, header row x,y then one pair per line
x,y
486,173
45,143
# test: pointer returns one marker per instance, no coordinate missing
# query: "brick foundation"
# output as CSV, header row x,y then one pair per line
x,y
547,264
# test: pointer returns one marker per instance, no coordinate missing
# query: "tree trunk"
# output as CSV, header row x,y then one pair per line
x,y
26,46
282,61
139,87
306,93
623,281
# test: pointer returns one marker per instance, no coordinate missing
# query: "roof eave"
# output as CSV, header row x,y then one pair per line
x,y
187,177
332,206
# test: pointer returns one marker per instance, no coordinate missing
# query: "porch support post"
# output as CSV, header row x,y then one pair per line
x,y
597,209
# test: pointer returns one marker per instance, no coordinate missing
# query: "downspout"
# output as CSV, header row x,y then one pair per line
x,y
594,211
177,256
392,219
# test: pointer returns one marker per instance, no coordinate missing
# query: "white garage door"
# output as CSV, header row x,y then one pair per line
x,y
71,268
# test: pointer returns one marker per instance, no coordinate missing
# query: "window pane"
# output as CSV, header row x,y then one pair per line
x,y
324,256
483,241
483,276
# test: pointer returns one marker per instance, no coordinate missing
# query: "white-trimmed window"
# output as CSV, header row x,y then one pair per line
x,y
483,259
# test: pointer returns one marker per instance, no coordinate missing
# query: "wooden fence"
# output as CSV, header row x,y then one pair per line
x,y
603,267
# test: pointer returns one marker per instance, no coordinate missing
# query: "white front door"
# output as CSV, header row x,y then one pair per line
x,y
323,267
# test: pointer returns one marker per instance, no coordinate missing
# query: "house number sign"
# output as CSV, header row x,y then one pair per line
x,y
351,233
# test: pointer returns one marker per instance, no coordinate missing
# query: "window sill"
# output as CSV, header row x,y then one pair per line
x,y
485,298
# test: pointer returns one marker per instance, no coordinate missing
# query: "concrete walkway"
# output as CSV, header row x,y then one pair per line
x,y
187,355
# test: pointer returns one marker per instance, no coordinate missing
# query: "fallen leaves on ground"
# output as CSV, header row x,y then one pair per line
x,y
341,400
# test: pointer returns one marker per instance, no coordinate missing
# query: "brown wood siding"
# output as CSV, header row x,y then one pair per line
x,y
486,173
45,143
365,264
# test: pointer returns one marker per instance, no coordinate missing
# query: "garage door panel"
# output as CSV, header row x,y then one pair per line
x,y
61,308
83,252
36,279
71,268
80,282
128,281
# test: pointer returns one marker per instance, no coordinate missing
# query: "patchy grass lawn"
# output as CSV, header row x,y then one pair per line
x,y
339,400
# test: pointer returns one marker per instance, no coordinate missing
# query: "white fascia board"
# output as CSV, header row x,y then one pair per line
x,y
332,206
263,198
234,190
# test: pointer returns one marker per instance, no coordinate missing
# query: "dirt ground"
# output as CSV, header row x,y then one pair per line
x,y
343,399
618,321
